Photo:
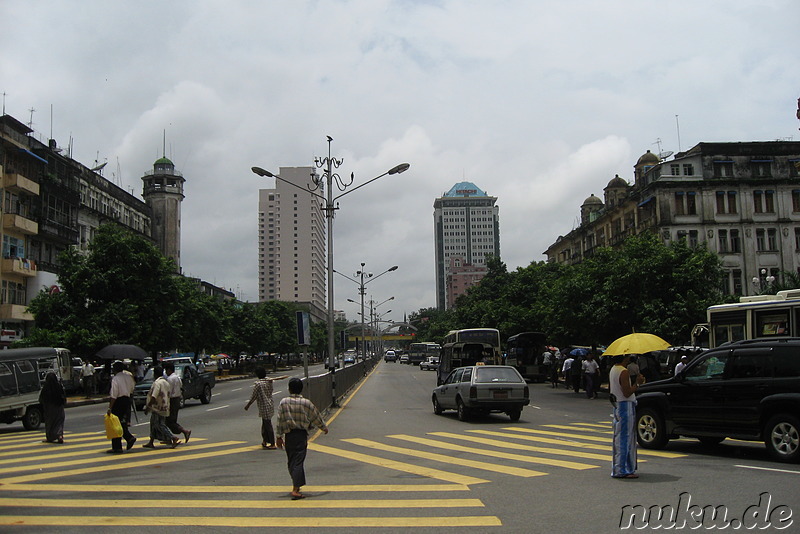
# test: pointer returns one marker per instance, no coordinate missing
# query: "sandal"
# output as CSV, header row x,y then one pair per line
x,y
298,496
175,442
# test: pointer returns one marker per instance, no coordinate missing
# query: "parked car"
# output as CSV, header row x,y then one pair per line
x,y
482,389
431,363
390,356
748,390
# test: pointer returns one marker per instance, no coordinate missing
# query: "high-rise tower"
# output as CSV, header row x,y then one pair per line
x,y
467,229
163,192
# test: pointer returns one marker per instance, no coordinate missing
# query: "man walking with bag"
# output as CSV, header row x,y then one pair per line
x,y
296,416
120,404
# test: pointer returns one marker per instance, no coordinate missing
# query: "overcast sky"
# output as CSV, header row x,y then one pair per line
x,y
538,103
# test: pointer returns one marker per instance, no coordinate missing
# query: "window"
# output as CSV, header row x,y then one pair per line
x,y
688,169
691,203
796,200
763,201
726,201
693,241
723,169
736,276
723,240
761,244
675,169
772,239
797,239
761,168
736,242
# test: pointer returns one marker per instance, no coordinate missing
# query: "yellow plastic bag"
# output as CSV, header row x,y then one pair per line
x,y
113,426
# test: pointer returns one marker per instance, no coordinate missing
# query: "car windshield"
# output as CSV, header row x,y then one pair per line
x,y
496,374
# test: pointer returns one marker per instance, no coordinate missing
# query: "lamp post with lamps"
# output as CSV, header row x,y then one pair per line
x,y
362,291
763,282
373,314
325,183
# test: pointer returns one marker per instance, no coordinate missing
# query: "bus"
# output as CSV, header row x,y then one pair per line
x,y
470,346
525,351
757,316
418,352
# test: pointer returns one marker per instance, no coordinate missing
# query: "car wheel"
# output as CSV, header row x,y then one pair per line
x,y
782,437
515,415
205,398
463,413
708,441
32,418
650,431
437,408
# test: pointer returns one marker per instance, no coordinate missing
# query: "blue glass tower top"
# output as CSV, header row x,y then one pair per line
x,y
465,189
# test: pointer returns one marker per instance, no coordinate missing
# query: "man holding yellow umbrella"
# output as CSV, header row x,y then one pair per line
x,y
623,396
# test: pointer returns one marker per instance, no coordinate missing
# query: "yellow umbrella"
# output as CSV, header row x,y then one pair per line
x,y
637,343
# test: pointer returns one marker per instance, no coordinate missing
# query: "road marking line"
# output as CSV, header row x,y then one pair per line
x,y
399,466
516,446
254,522
564,442
494,454
218,408
505,469
354,488
83,504
789,471
568,427
69,451
600,425
171,458
663,454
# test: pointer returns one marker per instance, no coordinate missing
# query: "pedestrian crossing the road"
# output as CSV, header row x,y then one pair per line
x,y
49,485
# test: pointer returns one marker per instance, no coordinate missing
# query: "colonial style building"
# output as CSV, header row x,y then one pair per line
x,y
466,231
741,199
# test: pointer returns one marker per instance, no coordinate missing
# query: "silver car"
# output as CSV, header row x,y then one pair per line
x,y
431,363
482,389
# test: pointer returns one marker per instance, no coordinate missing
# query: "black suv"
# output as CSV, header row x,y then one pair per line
x,y
746,390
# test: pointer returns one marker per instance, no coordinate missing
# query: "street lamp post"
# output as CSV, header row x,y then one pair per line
x,y
362,291
326,182
373,314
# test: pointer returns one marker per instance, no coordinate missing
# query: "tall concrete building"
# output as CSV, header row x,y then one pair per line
x,y
466,229
291,242
163,193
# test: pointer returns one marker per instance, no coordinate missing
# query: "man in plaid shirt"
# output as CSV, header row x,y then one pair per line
x,y
296,415
262,394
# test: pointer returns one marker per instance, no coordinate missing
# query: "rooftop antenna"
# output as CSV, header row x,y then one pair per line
x,y
30,124
662,154
4,102
678,126
51,121
164,145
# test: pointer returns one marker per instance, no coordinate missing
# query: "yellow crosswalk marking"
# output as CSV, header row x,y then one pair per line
x,y
146,460
254,522
398,466
662,454
495,454
567,427
516,446
505,469
72,451
83,504
353,488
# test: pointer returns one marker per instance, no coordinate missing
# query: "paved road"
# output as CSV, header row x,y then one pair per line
x,y
388,463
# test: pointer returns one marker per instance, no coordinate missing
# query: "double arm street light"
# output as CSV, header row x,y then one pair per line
x,y
362,291
374,318
326,183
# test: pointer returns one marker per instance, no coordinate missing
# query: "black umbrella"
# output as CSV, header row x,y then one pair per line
x,y
120,352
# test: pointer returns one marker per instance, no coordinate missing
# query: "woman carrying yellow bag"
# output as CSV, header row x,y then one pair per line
x,y
113,426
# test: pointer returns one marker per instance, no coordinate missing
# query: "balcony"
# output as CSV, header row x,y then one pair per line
x,y
14,312
19,223
19,266
17,183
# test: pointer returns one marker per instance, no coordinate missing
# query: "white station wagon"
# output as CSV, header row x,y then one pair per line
x,y
482,389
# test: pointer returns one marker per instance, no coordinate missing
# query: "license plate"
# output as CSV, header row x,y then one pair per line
x,y
500,395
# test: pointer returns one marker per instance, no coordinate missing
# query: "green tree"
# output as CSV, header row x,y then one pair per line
x,y
120,292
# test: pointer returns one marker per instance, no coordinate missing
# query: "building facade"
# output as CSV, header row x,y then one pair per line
x,y
50,202
466,231
163,193
291,242
741,199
